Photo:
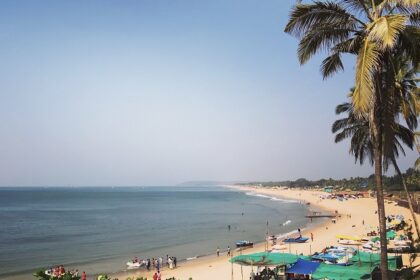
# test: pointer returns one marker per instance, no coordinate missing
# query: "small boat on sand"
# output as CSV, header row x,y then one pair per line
x,y
244,244
299,239
133,265
349,242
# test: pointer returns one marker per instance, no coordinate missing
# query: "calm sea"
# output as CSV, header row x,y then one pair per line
x,y
99,229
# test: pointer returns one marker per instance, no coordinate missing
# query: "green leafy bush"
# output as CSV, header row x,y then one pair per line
x,y
41,275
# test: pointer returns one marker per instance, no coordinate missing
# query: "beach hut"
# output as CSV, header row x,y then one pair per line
x,y
302,269
328,189
266,259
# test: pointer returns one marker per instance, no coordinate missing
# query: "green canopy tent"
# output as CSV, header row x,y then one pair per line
x,y
391,234
394,262
266,259
339,272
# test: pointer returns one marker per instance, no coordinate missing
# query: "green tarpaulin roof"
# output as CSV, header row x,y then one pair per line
x,y
339,272
394,262
264,258
390,234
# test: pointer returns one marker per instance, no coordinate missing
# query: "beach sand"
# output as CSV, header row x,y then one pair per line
x,y
353,212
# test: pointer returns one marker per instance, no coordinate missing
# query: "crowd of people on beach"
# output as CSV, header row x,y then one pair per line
x,y
59,271
265,274
157,263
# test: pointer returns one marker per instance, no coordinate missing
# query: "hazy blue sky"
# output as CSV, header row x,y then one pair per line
x,y
160,92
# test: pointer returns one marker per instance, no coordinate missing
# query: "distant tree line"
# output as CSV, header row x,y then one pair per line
x,y
391,183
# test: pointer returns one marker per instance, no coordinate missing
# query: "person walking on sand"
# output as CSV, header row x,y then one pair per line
x,y
300,235
171,263
159,276
83,275
155,277
312,237
218,251
228,251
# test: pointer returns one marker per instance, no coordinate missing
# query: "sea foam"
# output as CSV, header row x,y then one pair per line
x,y
272,197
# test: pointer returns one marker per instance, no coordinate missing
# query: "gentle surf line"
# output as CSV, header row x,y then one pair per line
x,y
272,197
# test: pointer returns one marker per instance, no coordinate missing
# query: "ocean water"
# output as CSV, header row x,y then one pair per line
x,y
99,229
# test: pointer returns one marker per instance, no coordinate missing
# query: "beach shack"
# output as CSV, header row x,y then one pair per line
x,y
328,189
302,269
274,264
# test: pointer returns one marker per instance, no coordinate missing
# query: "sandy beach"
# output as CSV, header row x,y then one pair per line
x,y
357,218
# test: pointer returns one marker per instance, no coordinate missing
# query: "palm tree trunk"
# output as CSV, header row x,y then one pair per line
x,y
377,152
410,204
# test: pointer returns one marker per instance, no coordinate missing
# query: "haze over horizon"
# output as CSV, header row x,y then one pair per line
x,y
153,92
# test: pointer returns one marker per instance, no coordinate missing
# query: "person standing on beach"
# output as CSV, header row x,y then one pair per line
x,y
170,261
159,276
218,251
155,277
228,251
312,237
83,275
175,262
300,235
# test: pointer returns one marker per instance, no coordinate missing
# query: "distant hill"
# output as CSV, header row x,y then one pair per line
x,y
391,183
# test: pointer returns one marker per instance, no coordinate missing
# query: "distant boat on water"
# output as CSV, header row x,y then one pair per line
x,y
286,222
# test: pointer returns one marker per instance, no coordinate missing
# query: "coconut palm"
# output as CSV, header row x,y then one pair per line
x,y
372,30
361,147
417,164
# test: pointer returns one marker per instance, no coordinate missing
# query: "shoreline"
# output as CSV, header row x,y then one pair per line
x,y
116,267
212,260
357,217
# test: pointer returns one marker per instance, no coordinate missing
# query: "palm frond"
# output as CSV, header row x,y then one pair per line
x,y
404,3
331,65
344,107
366,66
356,5
406,135
351,45
305,17
409,43
321,38
346,133
386,29
415,18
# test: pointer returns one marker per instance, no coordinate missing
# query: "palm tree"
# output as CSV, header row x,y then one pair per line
x,y
417,164
361,145
372,30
